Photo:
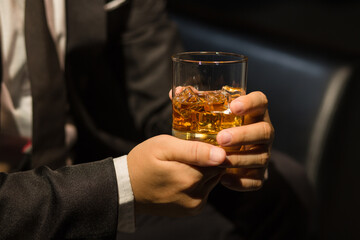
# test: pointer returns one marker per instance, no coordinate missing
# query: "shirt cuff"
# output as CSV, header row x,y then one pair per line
x,y
126,215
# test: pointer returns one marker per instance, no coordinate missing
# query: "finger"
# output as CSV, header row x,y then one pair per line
x,y
203,188
212,182
257,133
208,172
191,152
179,89
248,173
253,104
249,181
243,184
255,158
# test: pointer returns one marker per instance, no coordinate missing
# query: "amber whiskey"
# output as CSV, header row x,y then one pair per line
x,y
200,115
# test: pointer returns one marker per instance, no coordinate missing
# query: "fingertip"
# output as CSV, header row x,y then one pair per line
x,y
237,107
224,138
217,155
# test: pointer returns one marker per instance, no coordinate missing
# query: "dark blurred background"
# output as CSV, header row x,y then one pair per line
x,y
316,25
305,56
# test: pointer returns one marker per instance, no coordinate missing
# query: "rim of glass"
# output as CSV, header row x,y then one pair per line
x,y
178,57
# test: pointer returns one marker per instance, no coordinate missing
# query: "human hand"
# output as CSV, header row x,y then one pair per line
x,y
170,176
247,168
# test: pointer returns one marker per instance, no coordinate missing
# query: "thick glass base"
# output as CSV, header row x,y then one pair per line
x,y
203,137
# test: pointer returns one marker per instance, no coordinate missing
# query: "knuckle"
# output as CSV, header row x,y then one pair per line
x,y
264,159
267,131
263,98
194,150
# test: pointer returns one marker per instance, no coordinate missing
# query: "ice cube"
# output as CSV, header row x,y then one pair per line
x,y
233,92
188,95
216,101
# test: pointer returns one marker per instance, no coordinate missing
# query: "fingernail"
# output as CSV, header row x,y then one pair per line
x,y
217,155
237,107
224,138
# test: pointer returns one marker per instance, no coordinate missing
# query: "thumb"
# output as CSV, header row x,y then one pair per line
x,y
192,152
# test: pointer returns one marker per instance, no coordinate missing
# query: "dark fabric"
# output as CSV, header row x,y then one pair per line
x,y
77,202
118,84
210,224
282,209
1,72
47,86
93,92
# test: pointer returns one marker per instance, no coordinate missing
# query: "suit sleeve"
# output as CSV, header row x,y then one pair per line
x,y
74,202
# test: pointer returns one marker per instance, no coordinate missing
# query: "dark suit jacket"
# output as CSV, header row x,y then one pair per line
x,y
78,202
117,76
